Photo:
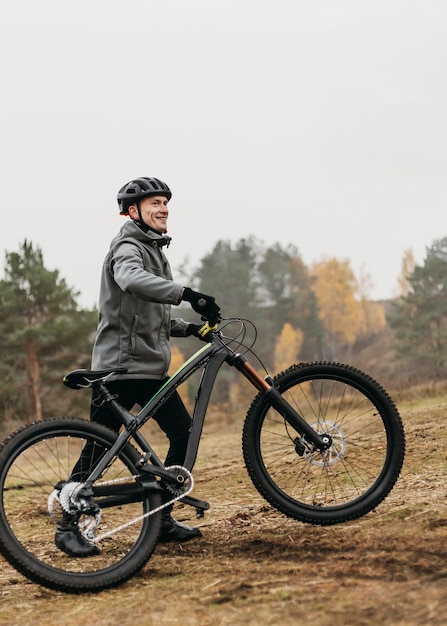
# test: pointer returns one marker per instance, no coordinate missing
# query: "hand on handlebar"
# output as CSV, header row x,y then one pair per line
x,y
204,305
193,329
199,330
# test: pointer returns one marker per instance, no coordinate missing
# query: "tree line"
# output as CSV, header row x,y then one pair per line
x,y
318,312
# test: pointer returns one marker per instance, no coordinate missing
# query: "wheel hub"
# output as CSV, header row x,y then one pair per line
x,y
336,445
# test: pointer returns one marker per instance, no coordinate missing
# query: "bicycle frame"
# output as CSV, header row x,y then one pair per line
x,y
211,358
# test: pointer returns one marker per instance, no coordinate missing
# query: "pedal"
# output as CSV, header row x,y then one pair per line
x,y
200,505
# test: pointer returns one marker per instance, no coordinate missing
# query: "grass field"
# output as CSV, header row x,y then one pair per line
x,y
256,567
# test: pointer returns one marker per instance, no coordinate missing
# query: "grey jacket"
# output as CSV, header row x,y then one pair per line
x,y
135,300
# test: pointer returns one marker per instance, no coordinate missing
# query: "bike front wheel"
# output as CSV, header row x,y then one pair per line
x,y
354,474
41,456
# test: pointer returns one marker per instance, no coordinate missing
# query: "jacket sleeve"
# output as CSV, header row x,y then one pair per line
x,y
134,278
178,327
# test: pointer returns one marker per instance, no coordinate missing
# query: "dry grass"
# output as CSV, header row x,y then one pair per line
x,y
254,566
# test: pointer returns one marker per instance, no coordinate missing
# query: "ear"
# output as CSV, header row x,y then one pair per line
x,y
133,211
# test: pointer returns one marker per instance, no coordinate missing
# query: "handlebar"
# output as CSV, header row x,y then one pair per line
x,y
206,328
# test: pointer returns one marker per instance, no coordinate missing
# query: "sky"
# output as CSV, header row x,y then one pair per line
x,y
314,123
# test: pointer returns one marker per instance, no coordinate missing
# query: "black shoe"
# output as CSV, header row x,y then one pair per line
x,y
70,540
171,530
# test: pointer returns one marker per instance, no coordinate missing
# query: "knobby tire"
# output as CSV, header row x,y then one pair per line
x,y
32,461
361,466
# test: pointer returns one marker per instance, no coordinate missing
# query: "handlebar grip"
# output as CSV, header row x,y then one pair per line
x,y
206,328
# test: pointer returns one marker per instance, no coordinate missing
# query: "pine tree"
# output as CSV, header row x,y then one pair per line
x,y
287,287
42,333
420,317
229,274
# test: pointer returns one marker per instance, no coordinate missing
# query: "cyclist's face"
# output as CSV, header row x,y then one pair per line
x,y
154,211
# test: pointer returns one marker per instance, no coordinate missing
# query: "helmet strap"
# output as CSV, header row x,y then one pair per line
x,y
140,217
142,224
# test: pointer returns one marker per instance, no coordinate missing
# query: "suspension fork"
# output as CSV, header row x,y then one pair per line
x,y
284,408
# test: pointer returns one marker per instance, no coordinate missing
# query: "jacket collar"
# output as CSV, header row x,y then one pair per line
x,y
147,236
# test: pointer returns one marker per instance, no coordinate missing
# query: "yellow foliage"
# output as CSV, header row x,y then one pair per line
x,y
288,346
374,317
336,289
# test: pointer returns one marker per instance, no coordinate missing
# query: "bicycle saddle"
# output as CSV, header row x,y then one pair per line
x,y
79,379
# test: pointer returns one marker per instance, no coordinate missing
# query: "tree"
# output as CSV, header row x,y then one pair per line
x,y
407,268
229,274
40,330
288,346
287,288
336,290
373,313
270,286
278,273
420,317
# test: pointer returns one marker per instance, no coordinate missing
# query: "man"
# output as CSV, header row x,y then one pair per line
x,y
136,294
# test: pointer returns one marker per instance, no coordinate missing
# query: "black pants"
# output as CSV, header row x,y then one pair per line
x,y
172,417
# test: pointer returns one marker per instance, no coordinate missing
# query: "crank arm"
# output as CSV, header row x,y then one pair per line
x,y
158,471
198,504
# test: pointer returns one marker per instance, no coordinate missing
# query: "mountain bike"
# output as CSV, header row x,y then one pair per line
x,y
322,442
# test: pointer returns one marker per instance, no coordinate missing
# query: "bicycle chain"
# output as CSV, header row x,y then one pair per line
x,y
67,496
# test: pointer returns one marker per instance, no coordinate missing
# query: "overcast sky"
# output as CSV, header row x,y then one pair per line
x,y
317,123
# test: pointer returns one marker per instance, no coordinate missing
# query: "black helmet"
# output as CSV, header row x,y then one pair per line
x,y
141,188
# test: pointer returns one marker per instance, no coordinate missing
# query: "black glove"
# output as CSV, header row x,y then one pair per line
x,y
193,329
202,304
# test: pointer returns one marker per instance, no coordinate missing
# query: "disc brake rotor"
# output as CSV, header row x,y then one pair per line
x,y
335,451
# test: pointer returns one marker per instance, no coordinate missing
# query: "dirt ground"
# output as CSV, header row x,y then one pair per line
x,y
256,567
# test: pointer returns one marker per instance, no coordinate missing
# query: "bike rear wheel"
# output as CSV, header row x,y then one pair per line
x,y
358,470
33,461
